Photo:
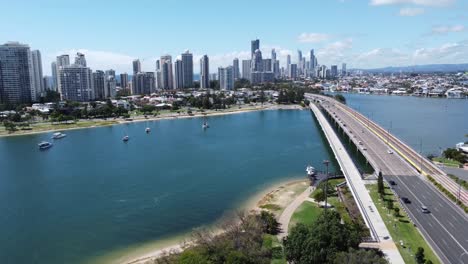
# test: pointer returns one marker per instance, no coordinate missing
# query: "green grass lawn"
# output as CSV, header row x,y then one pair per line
x,y
447,162
306,213
45,126
401,228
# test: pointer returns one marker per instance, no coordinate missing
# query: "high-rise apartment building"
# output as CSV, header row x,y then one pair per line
x,y
254,45
110,84
166,72
235,65
288,64
124,80
144,83
15,73
76,83
98,83
37,77
187,70
136,66
334,71
257,61
293,71
343,69
178,74
62,61
204,72
226,79
53,67
246,71
80,59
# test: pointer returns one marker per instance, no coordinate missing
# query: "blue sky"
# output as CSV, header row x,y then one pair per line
x,y
362,33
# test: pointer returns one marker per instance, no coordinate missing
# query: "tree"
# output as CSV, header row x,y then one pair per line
x,y
319,195
420,259
360,257
390,204
380,184
192,256
9,126
269,223
242,83
321,241
397,211
340,98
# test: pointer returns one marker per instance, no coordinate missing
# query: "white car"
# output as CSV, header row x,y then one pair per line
x,y
389,151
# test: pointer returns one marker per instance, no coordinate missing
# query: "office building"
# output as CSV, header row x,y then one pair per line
x,y
267,65
343,69
254,45
204,72
136,66
226,79
76,83
187,70
98,84
235,65
158,75
246,64
38,88
257,61
124,80
166,72
178,74
288,64
15,73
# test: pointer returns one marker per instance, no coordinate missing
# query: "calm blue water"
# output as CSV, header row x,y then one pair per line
x,y
437,123
91,193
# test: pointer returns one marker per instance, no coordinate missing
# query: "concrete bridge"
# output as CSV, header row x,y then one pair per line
x,y
446,226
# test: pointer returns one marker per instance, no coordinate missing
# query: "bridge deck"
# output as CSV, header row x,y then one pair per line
x,y
445,228
357,186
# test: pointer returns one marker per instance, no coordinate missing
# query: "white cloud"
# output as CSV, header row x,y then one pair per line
x,y
335,52
414,2
411,11
312,37
447,29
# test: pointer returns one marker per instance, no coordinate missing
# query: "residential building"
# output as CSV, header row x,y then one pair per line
x,y
257,61
15,73
246,71
76,83
144,83
37,77
53,66
187,69
334,71
98,84
254,45
293,71
226,78
343,69
136,66
80,59
62,61
178,74
110,84
166,72
235,65
204,72
124,80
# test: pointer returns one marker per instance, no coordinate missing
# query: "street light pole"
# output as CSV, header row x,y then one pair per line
x,y
326,162
460,258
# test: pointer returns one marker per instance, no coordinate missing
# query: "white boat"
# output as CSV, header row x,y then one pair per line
x,y
147,130
58,135
125,139
310,170
44,145
205,125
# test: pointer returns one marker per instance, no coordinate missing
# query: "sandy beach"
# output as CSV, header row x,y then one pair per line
x,y
280,193
110,122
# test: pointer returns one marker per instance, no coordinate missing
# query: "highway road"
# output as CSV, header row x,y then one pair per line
x,y
446,226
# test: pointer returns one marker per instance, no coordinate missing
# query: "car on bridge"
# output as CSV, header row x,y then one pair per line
x,y
405,200
393,183
389,151
424,209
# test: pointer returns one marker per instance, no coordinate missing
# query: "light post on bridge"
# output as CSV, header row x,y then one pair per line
x,y
326,162
461,256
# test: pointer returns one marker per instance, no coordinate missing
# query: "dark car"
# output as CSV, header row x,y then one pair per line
x,y
405,200
392,183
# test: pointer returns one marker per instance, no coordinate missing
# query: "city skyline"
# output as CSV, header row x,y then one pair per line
x,y
380,37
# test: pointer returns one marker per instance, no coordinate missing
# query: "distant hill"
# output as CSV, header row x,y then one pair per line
x,y
428,68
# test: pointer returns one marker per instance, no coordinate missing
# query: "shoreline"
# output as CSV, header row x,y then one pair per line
x,y
169,116
146,252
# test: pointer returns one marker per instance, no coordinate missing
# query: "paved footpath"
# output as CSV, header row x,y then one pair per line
x,y
285,217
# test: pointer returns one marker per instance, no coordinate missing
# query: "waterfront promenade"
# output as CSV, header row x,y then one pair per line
x,y
373,220
445,226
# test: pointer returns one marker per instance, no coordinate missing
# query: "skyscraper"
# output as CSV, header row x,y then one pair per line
x,y
226,80
273,55
343,69
166,72
62,61
204,72
235,65
187,69
144,83
299,62
312,60
288,64
110,84
257,61
98,83
80,59
124,80
15,73
38,83
334,71
246,64
53,67
136,66
178,74
158,75
293,71
76,83
254,45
